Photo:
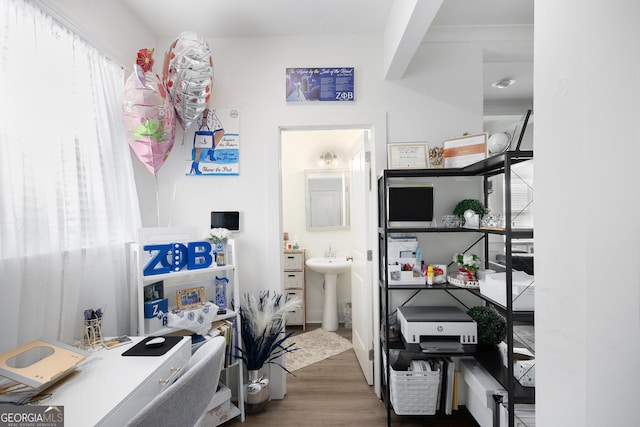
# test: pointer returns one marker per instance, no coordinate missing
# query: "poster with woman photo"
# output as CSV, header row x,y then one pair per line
x,y
215,142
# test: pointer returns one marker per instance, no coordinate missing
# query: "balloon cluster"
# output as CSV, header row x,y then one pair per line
x,y
148,114
188,74
151,105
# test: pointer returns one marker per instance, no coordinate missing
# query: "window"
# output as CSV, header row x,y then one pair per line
x,y
68,203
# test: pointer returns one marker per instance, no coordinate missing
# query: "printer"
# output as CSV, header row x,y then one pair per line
x,y
437,329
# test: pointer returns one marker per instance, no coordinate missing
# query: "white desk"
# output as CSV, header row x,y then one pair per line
x,y
108,389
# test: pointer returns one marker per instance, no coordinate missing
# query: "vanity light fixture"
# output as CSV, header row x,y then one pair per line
x,y
327,158
503,84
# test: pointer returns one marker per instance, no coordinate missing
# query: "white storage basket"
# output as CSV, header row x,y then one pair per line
x,y
414,392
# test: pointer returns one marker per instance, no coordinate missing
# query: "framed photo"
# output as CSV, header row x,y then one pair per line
x,y
154,291
190,298
408,155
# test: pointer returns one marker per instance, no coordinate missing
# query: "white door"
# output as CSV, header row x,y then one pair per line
x,y
361,268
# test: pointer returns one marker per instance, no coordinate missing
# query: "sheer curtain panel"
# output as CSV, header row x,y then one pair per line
x,y
68,203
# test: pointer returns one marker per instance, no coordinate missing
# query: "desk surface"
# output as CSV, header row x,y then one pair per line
x,y
108,388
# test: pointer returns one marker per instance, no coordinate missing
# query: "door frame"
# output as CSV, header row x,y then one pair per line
x,y
375,122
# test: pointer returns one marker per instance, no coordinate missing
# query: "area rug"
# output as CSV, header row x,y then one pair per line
x,y
313,347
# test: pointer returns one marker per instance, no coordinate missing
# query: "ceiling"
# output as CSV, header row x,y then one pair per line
x,y
504,27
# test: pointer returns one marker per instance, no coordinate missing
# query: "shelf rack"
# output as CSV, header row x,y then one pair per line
x,y
500,164
185,279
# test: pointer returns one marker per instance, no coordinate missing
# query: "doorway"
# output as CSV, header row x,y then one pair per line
x,y
304,149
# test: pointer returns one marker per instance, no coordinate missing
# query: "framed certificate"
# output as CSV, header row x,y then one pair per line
x,y
408,155
466,150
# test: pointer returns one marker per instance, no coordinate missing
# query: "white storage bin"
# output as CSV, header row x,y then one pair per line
x,y
494,287
524,364
414,392
480,387
293,261
293,279
219,408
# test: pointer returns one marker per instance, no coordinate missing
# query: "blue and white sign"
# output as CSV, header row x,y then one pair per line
x,y
172,257
320,84
216,147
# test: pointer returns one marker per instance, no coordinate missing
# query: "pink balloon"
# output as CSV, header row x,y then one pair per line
x,y
188,75
148,115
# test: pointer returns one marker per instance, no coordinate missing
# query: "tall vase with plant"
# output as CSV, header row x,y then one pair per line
x,y
218,238
263,341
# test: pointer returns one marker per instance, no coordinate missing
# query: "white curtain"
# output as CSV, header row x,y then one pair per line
x,y
68,204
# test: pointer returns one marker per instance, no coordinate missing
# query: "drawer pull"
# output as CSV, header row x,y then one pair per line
x,y
161,381
176,369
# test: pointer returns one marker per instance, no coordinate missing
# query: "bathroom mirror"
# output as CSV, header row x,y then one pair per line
x,y
327,199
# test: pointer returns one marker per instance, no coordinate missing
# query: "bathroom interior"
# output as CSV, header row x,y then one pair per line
x,y
301,152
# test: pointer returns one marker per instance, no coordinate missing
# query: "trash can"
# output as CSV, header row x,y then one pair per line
x,y
347,315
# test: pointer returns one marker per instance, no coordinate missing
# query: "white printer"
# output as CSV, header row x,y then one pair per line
x,y
438,329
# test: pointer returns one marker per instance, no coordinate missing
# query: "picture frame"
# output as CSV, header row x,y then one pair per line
x,y
154,291
518,132
190,298
414,155
465,150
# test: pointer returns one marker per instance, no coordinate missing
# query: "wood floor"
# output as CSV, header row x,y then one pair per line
x,y
334,393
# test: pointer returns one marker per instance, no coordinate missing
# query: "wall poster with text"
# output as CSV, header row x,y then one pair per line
x,y
320,84
213,146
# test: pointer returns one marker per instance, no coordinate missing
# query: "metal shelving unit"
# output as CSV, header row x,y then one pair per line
x,y
490,359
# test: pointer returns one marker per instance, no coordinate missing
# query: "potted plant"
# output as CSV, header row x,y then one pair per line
x,y
218,238
469,204
263,341
468,265
492,327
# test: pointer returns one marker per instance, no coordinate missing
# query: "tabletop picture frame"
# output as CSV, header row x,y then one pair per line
x,y
190,298
408,155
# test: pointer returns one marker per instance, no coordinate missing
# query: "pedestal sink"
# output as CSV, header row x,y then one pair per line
x,y
330,267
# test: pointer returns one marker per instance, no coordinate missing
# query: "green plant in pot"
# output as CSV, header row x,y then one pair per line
x,y
492,327
263,341
468,204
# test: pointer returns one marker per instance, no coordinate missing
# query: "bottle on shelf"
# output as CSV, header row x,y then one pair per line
x,y
430,275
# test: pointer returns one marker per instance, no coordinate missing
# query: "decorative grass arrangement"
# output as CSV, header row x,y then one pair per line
x,y
262,320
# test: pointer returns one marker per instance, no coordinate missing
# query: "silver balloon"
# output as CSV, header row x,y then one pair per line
x,y
188,75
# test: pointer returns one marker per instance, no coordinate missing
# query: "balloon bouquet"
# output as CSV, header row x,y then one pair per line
x,y
151,106
148,114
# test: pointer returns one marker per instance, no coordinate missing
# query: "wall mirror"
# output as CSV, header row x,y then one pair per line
x,y
327,199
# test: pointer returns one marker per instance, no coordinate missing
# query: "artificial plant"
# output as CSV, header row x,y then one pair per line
x,y
492,327
263,324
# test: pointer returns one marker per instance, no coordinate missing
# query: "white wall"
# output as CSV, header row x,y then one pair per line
x,y
109,26
440,97
587,148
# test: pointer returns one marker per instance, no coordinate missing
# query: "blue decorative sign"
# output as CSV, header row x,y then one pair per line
x,y
320,84
171,257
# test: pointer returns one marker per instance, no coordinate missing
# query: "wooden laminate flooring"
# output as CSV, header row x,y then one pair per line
x,y
334,393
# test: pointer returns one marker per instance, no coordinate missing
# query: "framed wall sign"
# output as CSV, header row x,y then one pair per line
x,y
408,155
320,84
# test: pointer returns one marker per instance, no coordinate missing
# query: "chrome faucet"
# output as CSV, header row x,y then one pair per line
x,y
329,253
